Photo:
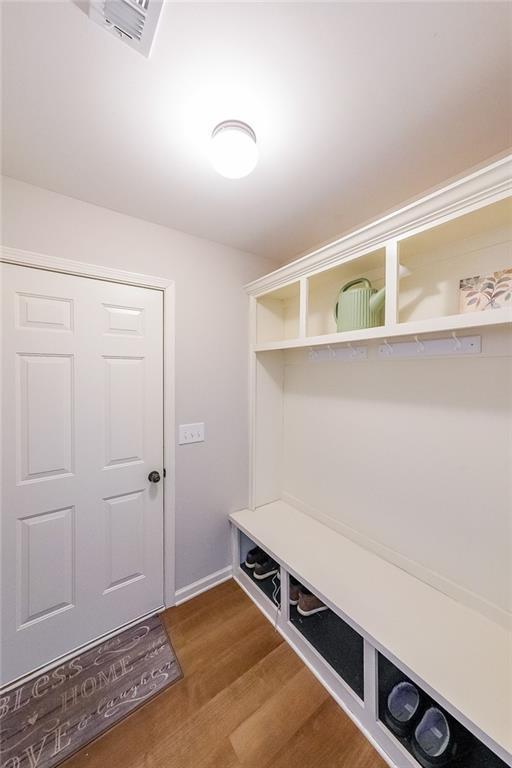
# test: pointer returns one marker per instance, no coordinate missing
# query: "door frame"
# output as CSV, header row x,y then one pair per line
x,y
24,258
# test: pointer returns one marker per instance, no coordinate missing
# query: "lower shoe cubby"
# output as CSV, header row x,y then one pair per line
x,y
337,642
348,663
429,733
266,577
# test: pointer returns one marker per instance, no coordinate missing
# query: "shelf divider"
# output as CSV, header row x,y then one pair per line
x,y
392,267
303,307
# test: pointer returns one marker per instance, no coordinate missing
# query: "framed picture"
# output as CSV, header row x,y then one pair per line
x,y
491,292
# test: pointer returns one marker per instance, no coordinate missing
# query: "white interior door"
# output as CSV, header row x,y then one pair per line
x,y
82,411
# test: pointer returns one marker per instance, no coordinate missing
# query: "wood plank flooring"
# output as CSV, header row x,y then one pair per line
x,y
246,701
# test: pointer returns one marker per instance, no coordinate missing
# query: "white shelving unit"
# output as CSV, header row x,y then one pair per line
x,y
381,482
370,593
300,313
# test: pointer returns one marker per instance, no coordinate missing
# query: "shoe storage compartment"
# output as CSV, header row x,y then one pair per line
x,y
269,586
343,646
471,753
340,645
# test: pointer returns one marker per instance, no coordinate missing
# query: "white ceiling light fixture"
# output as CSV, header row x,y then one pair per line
x,y
234,152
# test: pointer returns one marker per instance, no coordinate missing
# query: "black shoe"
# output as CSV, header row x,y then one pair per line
x,y
402,708
433,743
254,556
265,569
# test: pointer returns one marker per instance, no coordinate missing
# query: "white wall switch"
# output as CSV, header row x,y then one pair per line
x,y
191,433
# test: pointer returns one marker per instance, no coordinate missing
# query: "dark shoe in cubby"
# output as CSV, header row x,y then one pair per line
x,y
254,556
265,568
464,749
403,708
433,743
295,588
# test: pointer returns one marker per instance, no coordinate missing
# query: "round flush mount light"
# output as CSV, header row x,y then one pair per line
x,y
234,153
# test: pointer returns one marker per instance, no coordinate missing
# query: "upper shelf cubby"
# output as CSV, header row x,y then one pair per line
x,y
277,314
324,289
450,261
437,262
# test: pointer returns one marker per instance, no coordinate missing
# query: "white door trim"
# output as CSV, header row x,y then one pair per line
x,y
95,271
80,268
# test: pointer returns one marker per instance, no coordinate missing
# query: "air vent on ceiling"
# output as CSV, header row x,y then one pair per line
x,y
134,21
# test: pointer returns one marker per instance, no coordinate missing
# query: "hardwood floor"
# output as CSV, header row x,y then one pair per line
x,y
246,701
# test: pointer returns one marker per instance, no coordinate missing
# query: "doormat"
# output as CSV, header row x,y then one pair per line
x,y
44,721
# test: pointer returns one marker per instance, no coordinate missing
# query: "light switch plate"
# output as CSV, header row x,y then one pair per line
x,y
191,433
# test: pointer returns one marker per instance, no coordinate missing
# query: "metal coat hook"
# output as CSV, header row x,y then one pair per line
x,y
332,352
313,353
388,347
458,343
421,346
352,349
449,345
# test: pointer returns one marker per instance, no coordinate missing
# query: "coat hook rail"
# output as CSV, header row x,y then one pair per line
x,y
454,345
346,352
458,344
421,346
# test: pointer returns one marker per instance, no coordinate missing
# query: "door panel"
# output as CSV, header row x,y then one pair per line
x,y
44,312
124,321
125,539
82,400
45,406
124,387
45,539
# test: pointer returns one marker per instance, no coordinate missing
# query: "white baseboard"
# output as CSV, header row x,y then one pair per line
x,y
202,585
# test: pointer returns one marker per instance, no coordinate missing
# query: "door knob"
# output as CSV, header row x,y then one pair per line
x,y
154,477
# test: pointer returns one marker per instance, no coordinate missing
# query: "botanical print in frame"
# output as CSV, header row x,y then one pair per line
x,y
492,292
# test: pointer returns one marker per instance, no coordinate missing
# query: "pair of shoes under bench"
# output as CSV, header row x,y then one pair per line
x,y
265,569
309,604
263,566
411,715
254,556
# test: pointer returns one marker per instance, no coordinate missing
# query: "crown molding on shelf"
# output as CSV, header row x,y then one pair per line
x,y
483,187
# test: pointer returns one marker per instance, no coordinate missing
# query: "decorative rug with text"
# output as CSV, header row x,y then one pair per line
x,y
44,721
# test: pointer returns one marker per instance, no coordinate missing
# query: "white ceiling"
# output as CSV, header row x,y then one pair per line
x,y
357,107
